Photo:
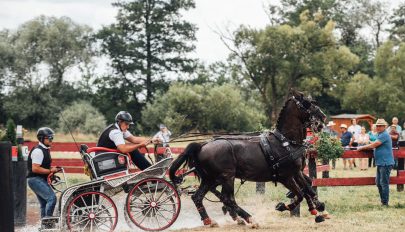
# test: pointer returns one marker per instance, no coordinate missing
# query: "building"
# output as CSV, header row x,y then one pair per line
x,y
362,119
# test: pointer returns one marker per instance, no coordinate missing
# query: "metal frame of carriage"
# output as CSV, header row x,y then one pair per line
x,y
152,203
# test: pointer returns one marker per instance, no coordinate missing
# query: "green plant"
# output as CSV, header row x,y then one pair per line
x,y
328,147
10,133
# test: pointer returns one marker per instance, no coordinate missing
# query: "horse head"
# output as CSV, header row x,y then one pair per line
x,y
311,115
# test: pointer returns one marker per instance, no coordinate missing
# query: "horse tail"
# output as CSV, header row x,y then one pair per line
x,y
188,157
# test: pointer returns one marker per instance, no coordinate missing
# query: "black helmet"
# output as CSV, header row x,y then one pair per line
x,y
124,116
44,132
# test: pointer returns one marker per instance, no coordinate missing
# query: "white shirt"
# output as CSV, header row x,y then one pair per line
x,y
37,156
164,137
117,136
355,129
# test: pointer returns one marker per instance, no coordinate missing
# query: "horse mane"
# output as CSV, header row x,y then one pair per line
x,y
281,113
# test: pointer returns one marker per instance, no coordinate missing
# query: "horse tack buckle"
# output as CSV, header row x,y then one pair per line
x,y
275,166
286,143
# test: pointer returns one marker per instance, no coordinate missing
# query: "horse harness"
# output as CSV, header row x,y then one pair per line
x,y
273,159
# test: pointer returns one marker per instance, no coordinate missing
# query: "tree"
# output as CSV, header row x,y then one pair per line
x,y
381,95
149,40
278,58
11,134
34,60
206,107
397,32
81,117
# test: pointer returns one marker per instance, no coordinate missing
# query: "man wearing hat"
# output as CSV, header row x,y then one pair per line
x,y
329,129
346,140
162,137
384,159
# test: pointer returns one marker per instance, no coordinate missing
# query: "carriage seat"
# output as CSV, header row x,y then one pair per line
x,y
104,161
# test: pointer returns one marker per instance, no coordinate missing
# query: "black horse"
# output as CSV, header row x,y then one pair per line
x,y
276,156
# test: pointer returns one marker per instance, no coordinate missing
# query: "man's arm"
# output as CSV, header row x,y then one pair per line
x,y
370,146
36,168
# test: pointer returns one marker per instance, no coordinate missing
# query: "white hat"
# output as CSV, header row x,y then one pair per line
x,y
381,122
343,126
331,123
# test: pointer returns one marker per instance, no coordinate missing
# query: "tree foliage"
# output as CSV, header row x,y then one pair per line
x,y
203,107
149,40
11,134
81,117
280,57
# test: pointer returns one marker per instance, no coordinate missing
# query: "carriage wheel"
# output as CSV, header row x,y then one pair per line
x,y
91,211
153,204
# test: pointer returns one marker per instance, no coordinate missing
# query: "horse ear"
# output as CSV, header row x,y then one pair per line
x,y
296,93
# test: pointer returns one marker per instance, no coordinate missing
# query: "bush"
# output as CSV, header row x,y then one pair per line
x,y
81,117
11,134
204,107
328,147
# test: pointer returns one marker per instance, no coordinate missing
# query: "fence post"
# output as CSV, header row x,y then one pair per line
x,y
260,187
400,187
325,174
6,189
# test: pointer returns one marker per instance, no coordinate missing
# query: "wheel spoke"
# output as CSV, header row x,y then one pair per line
x,y
156,218
144,194
79,222
86,225
166,198
85,204
145,215
102,222
168,221
163,191
103,210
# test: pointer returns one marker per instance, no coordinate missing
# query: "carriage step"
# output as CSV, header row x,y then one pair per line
x,y
50,224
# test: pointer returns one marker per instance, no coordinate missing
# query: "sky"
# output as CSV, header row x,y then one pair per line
x,y
209,16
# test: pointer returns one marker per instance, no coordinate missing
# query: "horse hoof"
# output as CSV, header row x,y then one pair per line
x,y
214,224
224,210
319,219
255,225
321,207
281,207
240,221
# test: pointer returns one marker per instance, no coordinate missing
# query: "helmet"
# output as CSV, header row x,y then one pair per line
x,y
44,132
124,116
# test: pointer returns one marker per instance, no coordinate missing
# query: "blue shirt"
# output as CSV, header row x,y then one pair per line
x,y
345,139
383,154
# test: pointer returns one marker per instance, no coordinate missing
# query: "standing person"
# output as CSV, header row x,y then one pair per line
x,y
363,139
384,160
114,137
355,129
39,167
373,134
394,135
395,123
329,129
162,137
346,140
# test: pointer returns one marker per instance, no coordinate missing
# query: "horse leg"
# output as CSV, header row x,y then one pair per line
x,y
293,187
229,200
226,208
197,198
320,206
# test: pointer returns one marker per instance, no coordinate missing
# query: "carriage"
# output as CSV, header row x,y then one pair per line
x,y
152,203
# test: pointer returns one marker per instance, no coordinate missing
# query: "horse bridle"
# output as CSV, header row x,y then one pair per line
x,y
316,117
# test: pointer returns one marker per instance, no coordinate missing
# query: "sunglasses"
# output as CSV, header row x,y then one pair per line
x,y
50,138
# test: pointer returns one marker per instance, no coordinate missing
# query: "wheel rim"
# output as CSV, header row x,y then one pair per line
x,y
153,204
92,211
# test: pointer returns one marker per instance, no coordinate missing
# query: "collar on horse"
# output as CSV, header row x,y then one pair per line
x,y
274,160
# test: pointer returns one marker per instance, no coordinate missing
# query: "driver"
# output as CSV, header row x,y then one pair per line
x,y
114,137
39,167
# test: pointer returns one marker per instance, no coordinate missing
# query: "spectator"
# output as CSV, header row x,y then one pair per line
x,y
395,123
384,160
162,137
363,139
355,129
394,136
373,137
346,140
329,129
